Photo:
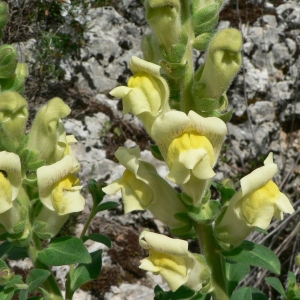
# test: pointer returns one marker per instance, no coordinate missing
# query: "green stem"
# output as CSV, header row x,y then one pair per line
x,y
50,284
211,250
186,97
89,220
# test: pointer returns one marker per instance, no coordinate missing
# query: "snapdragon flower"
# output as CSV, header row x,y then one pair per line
x,y
147,93
142,188
59,188
257,202
190,144
171,259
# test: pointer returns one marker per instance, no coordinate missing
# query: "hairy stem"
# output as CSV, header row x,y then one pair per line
x,y
211,250
50,284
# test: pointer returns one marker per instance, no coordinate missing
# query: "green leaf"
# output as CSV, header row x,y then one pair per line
x,y
100,238
235,272
242,294
46,294
276,284
159,293
156,152
205,213
6,248
7,294
95,188
35,278
257,294
86,272
17,279
107,205
65,251
182,293
253,254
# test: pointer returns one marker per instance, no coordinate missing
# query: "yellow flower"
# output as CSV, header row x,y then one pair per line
x,y
258,201
10,179
142,188
48,130
171,259
58,187
147,93
190,145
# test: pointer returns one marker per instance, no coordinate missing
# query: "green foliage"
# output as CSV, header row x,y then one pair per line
x,y
64,251
253,254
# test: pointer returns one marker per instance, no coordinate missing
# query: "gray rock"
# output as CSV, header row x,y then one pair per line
x,y
262,111
281,55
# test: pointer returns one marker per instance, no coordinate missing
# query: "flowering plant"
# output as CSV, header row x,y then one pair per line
x,y
39,190
185,112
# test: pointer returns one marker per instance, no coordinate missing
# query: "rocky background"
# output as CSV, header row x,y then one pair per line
x,y
265,98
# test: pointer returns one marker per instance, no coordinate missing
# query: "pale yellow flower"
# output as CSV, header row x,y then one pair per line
x,y
171,259
10,179
142,188
257,202
147,93
190,144
59,189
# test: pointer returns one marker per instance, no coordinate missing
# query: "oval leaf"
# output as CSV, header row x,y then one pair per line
x,y
35,278
107,205
253,254
65,251
86,272
242,294
100,238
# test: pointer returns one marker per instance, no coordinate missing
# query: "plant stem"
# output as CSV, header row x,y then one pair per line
x,y
50,284
211,250
186,97
90,218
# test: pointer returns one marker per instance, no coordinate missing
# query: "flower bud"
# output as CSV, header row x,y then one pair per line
x,y
5,273
222,62
164,17
47,128
8,61
13,114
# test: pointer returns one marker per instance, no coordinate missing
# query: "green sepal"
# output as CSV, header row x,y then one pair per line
x,y
276,284
8,144
186,199
156,152
253,254
208,26
64,251
225,117
95,188
19,240
205,14
175,53
32,182
99,238
39,229
4,14
235,272
21,225
174,70
186,231
17,81
84,273
206,213
207,104
6,274
8,61
33,166
202,41
159,3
